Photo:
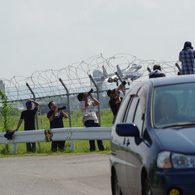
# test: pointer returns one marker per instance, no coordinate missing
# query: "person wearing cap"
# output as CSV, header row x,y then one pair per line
x,y
187,56
89,116
115,99
157,72
29,121
55,116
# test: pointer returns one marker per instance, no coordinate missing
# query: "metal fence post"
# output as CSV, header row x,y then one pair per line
x,y
14,149
98,97
72,145
37,122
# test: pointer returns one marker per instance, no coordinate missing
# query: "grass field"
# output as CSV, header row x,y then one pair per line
x,y
44,148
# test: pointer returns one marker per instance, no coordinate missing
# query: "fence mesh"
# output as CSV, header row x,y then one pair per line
x,y
76,77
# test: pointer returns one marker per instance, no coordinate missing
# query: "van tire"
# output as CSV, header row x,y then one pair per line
x,y
116,190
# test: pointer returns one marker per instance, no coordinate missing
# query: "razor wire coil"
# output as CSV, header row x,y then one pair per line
x,y
76,76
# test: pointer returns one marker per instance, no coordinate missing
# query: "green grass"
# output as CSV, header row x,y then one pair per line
x,y
81,146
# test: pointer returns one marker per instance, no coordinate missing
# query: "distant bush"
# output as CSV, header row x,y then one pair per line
x,y
13,111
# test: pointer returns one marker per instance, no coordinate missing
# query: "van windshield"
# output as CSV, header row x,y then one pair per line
x,y
173,106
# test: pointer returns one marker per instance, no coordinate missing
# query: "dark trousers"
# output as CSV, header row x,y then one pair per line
x,y
57,144
31,147
90,123
113,119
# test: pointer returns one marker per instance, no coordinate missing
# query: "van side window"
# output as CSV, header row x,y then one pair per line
x,y
138,117
131,110
127,108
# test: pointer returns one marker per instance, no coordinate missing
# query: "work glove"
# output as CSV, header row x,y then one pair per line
x,y
9,134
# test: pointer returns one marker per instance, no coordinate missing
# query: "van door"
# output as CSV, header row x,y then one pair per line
x,y
134,146
118,149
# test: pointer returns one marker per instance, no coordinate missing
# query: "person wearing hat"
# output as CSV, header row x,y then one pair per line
x,y
28,116
187,56
115,99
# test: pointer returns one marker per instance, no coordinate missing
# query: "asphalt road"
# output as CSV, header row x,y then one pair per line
x,y
77,174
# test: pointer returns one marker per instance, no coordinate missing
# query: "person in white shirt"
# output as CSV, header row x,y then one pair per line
x,y
89,116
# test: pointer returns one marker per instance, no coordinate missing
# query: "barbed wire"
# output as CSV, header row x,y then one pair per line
x,y
76,76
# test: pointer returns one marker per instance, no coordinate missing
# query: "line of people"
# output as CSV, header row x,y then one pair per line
x,y
89,116
55,117
87,106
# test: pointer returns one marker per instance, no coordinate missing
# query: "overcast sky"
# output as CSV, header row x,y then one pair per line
x,y
48,34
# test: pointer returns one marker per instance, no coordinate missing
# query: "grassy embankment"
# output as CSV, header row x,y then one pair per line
x,y
81,146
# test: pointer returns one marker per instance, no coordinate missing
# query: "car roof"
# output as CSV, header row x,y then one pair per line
x,y
171,80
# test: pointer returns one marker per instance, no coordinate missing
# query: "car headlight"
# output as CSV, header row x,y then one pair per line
x,y
183,161
175,160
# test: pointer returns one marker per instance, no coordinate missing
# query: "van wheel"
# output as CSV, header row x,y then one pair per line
x,y
116,190
146,190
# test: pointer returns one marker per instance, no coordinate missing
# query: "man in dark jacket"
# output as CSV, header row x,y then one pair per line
x,y
157,72
115,99
55,117
29,121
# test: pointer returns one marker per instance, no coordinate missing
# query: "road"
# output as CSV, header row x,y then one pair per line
x,y
74,174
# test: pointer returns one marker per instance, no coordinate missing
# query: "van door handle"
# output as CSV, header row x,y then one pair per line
x,y
124,141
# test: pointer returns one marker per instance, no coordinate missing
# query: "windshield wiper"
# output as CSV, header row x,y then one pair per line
x,y
180,125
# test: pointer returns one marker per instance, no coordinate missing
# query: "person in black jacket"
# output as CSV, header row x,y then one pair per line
x,y
29,121
157,72
115,99
55,117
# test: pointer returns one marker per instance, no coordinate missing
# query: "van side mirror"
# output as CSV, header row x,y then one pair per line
x,y
127,129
